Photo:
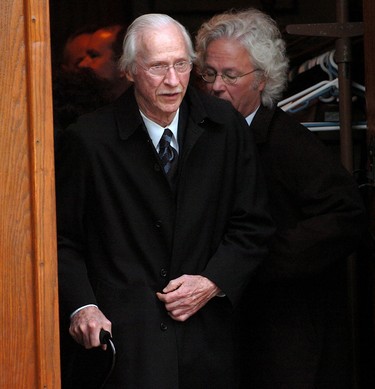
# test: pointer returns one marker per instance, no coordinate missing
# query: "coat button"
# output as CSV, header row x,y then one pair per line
x,y
158,224
163,272
163,327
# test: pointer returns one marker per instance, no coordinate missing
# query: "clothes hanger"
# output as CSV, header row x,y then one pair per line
x,y
301,100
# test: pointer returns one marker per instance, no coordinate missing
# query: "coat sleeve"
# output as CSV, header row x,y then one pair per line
x,y
72,181
249,227
316,204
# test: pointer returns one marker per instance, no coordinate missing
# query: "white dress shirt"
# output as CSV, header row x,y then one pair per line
x,y
155,131
250,118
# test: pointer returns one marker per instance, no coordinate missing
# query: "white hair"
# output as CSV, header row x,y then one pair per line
x,y
139,27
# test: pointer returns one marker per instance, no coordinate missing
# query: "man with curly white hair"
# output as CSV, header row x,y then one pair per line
x,y
293,319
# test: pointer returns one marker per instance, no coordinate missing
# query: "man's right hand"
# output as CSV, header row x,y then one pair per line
x,y
85,326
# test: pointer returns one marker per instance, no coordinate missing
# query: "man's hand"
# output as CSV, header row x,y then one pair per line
x,y
185,295
85,327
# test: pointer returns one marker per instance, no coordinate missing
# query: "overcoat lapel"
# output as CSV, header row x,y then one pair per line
x,y
261,124
188,134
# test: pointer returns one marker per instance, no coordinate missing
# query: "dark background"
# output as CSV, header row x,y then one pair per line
x,y
68,15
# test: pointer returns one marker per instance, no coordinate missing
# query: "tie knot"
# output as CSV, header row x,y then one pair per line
x,y
166,139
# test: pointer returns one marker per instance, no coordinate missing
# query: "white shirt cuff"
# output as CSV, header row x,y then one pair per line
x,y
85,306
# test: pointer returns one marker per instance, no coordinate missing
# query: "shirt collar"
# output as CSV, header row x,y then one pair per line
x,y
155,131
250,118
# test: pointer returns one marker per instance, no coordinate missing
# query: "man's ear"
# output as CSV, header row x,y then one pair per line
x,y
129,76
262,83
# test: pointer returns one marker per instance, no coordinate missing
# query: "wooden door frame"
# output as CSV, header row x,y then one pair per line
x,y
29,335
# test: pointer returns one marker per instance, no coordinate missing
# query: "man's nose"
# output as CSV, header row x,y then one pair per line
x,y
218,84
172,76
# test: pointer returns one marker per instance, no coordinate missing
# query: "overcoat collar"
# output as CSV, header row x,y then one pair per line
x,y
261,123
129,119
127,114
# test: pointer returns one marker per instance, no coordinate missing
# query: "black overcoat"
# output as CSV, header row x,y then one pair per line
x,y
295,315
123,233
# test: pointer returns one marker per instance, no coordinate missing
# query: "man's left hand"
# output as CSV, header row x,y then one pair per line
x,y
185,295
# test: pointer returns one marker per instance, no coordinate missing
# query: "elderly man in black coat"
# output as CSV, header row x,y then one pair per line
x,y
294,318
157,254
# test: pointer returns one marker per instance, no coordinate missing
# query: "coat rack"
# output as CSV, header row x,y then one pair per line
x,y
342,30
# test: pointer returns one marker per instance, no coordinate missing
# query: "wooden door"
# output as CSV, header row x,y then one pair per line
x,y
29,338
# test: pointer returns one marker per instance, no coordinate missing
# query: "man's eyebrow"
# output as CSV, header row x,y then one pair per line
x,y
229,69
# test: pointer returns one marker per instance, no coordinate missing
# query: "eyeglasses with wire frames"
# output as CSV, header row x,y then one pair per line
x,y
209,76
162,69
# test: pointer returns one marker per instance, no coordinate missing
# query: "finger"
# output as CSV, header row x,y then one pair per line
x,y
178,316
173,285
87,334
168,298
77,337
160,296
93,338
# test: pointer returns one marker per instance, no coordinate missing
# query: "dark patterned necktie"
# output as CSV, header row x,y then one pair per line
x,y
167,153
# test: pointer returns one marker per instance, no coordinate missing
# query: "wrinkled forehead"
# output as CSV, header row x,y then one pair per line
x,y
162,44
